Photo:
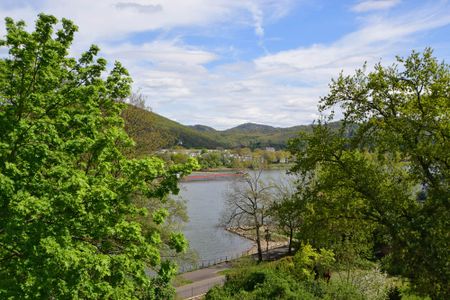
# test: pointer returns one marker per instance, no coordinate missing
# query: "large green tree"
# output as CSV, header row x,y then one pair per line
x,y
70,226
387,169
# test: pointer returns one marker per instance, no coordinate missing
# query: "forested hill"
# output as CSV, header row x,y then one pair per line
x,y
152,131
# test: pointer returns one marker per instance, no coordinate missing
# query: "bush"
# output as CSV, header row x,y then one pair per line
x,y
340,290
293,278
370,284
260,282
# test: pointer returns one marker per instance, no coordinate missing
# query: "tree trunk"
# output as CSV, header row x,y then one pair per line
x,y
258,243
291,233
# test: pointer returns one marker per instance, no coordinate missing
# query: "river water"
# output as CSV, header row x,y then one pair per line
x,y
205,203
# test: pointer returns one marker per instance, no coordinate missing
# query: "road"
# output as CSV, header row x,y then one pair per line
x,y
202,281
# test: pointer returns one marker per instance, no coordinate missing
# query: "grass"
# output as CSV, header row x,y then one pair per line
x,y
179,280
225,272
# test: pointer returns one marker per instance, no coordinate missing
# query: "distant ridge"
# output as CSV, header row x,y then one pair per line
x,y
199,127
253,127
151,132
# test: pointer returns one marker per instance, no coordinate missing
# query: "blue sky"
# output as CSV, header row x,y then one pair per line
x,y
225,62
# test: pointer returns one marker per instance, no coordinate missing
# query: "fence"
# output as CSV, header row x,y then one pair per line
x,y
205,263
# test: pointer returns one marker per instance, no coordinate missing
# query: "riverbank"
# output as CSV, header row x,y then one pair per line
x,y
277,242
203,176
278,166
228,173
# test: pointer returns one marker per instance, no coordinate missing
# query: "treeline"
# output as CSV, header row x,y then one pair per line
x,y
242,158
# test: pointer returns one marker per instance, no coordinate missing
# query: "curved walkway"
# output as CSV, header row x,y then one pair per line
x,y
204,279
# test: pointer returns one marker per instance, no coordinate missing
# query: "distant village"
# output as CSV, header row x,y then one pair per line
x,y
235,158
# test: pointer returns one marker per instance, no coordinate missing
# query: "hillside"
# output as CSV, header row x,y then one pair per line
x,y
152,132
202,128
251,128
258,136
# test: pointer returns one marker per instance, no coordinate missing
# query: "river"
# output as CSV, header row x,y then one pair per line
x,y
205,203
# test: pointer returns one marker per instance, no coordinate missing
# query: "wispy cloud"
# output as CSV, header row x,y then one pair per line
x,y
258,20
370,5
161,52
142,8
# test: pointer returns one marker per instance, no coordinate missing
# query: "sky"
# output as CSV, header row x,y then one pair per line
x,y
222,63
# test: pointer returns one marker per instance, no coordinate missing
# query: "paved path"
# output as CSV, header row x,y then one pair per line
x,y
204,279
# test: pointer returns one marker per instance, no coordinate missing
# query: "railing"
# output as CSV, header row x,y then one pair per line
x,y
205,263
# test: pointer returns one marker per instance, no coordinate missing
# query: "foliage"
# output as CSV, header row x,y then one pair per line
x,y
372,283
293,278
259,283
340,290
70,226
287,211
307,261
210,160
384,177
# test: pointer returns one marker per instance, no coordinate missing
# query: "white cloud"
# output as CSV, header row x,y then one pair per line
x,y
370,5
103,20
160,52
141,8
311,68
281,89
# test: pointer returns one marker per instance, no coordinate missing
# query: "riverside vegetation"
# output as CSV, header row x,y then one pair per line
x,y
84,213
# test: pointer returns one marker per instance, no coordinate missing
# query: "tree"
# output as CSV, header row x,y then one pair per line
x,y
211,160
393,170
269,156
138,99
288,218
287,212
69,223
247,205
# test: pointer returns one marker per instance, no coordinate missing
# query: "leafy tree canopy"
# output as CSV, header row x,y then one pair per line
x,y
385,176
69,224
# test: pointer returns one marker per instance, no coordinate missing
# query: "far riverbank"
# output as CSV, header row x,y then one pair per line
x,y
229,173
268,167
